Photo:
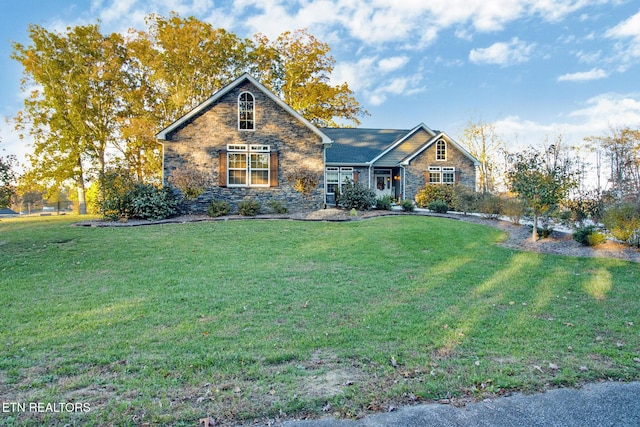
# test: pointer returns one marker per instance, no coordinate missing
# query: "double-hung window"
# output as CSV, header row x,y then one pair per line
x,y
442,175
248,165
336,178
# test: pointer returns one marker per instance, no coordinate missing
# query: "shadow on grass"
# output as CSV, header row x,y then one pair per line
x,y
253,319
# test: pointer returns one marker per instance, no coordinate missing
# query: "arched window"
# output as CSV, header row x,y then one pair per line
x,y
441,150
246,111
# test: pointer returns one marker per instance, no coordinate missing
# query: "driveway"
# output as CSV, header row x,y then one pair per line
x,y
593,405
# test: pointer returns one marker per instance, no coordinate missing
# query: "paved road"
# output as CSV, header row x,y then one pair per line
x,y
594,405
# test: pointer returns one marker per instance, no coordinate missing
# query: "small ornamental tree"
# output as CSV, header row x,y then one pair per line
x,y
190,182
542,179
303,180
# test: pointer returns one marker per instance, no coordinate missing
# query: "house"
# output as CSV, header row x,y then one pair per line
x,y
7,212
249,141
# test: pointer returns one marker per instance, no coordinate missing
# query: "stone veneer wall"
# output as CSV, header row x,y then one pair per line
x,y
197,145
415,172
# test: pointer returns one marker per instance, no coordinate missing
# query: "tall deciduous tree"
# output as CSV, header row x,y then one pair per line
x,y
483,142
622,148
297,67
191,60
542,178
73,107
96,101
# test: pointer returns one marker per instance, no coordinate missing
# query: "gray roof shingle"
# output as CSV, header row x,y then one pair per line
x,y
358,146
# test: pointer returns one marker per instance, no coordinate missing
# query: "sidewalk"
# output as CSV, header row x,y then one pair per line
x,y
594,405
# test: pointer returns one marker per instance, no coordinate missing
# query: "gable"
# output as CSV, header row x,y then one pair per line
x,y
451,144
165,134
411,143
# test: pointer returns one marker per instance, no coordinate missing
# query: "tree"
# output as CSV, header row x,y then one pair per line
x,y
542,178
189,60
483,143
72,111
622,148
96,101
297,67
7,180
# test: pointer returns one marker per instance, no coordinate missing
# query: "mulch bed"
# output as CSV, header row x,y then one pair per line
x,y
519,236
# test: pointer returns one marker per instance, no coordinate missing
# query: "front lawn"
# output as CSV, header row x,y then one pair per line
x,y
258,319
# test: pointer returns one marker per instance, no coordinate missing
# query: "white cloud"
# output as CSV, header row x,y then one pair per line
x,y
513,52
627,50
588,57
391,64
627,28
593,74
599,114
610,109
374,81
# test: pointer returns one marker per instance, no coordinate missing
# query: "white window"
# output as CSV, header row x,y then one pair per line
x,y
336,178
441,150
246,111
442,175
435,175
248,166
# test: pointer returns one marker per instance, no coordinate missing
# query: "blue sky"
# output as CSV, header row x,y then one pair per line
x,y
533,68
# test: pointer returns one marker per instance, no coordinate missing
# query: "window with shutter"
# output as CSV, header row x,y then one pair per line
x,y
249,166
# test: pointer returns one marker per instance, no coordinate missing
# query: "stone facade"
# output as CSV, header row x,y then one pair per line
x,y
418,169
197,145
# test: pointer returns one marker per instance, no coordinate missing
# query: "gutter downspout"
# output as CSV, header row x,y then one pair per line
x,y
402,184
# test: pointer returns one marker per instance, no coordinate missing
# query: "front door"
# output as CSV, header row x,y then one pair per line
x,y
382,182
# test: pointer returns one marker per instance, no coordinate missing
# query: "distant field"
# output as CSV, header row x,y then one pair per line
x,y
244,320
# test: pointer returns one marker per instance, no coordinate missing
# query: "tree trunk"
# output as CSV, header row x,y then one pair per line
x,y
534,233
82,201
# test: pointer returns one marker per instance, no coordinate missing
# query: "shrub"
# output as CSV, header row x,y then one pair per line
x,y
581,235
438,206
407,205
153,203
357,196
587,205
190,182
597,238
464,199
249,207
514,208
432,192
121,198
490,205
277,207
218,208
589,236
623,221
384,203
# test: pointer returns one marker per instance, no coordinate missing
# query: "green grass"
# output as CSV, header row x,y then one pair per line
x,y
243,320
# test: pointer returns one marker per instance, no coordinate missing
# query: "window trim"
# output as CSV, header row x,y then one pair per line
x,y
344,173
249,120
439,172
249,150
441,153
